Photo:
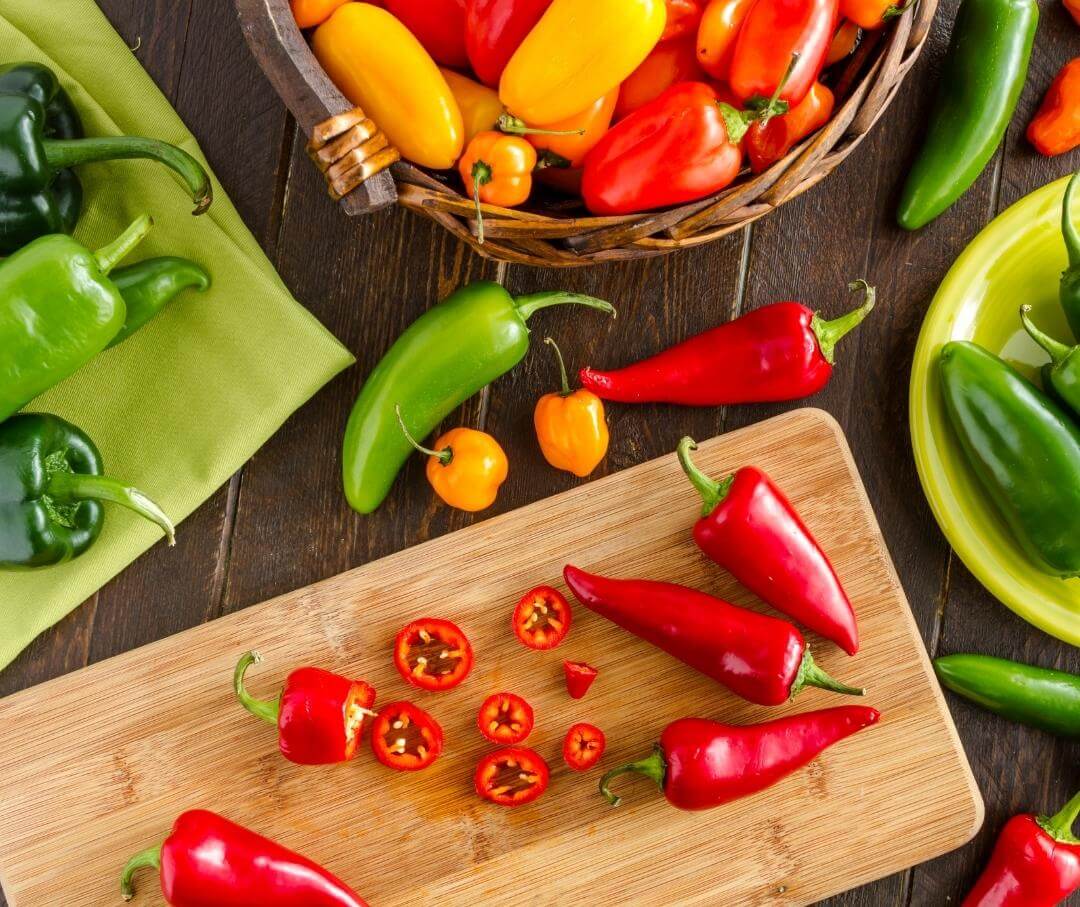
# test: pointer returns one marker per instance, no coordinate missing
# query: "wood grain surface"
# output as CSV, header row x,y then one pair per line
x,y
159,731
282,522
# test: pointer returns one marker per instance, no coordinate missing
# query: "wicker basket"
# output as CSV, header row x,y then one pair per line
x,y
366,175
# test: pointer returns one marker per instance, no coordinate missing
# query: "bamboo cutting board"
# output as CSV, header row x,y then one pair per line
x,y
96,765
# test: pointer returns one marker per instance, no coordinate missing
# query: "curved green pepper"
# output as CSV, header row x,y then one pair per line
x,y
444,357
147,287
1070,277
1023,448
1039,697
51,489
1063,372
984,73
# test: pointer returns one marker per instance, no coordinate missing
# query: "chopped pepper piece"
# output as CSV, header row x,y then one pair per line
x,y
542,618
583,746
406,738
433,654
505,718
579,677
512,777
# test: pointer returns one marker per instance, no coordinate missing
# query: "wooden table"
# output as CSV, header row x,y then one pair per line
x,y
283,522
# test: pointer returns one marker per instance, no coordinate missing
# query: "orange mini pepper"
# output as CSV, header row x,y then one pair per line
x,y
720,24
570,426
1073,6
309,13
1056,127
567,142
671,62
498,169
844,42
479,105
871,14
766,143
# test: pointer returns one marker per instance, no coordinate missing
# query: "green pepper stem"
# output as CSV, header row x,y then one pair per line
x,y
515,126
829,333
146,859
711,491
810,675
78,487
481,176
736,122
1057,350
548,159
116,251
652,766
266,709
64,153
565,392
766,110
527,306
445,457
1068,226
1060,825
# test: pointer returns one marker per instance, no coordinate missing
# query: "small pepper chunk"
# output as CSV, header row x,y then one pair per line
x,y
542,618
505,718
583,746
406,738
512,777
433,654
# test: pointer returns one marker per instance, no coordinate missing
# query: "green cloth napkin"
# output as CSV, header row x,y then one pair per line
x,y
179,407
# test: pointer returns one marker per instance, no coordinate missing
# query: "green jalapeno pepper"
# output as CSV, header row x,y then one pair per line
x,y
444,357
984,73
1039,697
1024,450
1070,277
1063,372
147,287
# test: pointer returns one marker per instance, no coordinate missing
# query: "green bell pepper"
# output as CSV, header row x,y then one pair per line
x,y
41,138
984,73
1024,450
147,287
1070,277
51,489
1039,697
444,357
1063,372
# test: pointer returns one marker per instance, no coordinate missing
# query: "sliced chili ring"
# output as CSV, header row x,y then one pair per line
x,y
505,718
512,776
583,746
433,654
405,737
579,677
542,618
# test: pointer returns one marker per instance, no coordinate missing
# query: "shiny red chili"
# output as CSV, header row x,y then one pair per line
x,y
494,29
505,718
512,777
405,737
670,62
751,530
437,24
1055,129
767,143
208,860
433,654
583,746
779,352
699,764
542,618
579,677
763,659
1036,862
683,18
319,715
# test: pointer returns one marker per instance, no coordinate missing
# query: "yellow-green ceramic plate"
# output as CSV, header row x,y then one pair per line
x,y
1018,258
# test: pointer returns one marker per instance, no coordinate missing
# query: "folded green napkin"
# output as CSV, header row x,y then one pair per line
x,y
182,405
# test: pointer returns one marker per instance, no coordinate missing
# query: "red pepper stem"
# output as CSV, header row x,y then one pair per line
x,y
1055,348
810,675
1060,825
146,859
565,392
481,176
445,456
711,491
116,251
266,709
516,126
829,333
66,485
1068,227
652,766
527,306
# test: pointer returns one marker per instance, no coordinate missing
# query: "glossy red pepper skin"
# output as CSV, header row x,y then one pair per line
x,y
494,29
437,24
751,530
1036,862
683,18
701,764
209,861
767,143
1055,129
760,658
579,677
779,352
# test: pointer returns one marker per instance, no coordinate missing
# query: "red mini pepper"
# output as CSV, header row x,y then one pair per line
x,y
1056,127
766,143
699,764
512,777
319,715
583,746
494,29
579,677
542,618
505,718
433,654
751,530
437,24
782,351
763,659
683,18
209,861
1036,862
670,62
406,738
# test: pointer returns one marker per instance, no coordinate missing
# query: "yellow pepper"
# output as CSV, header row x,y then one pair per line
x,y
570,426
309,13
480,106
576,53
381,68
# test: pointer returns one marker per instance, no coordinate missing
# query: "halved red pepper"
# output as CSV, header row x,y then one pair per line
x,y
505,718
542,618
405,737
494,29
437,24
433,654
583,746
319,715
579,677
512,777
766,143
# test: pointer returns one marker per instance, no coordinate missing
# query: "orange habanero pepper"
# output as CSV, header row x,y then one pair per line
x,y
671,62
844,42
567,142
871,14
309,13
1056,127
498,168
767,143
570,426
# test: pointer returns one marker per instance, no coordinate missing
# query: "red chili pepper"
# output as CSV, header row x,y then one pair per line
x,y
437,24
763,659
678,148
433,654
766,143
782,351
512,777
669,63
505,718
683,17
1056,127
542,618
699,764
208,860
1036,862
405,737
751,530
319,715
583,746
494,29
579,677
